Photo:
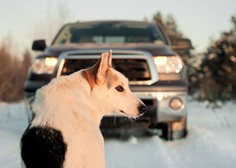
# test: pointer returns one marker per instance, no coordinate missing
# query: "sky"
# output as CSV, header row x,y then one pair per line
x,y
26,20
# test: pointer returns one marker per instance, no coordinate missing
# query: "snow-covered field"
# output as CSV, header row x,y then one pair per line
x,y
211,142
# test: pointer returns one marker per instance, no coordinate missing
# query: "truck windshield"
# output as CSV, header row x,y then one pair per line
x,y
109,32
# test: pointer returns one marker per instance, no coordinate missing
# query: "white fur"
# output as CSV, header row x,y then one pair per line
x,y
71,105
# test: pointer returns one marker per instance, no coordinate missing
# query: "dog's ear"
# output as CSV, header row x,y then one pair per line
x,y
104,66
98,72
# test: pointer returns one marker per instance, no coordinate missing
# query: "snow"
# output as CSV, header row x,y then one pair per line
x,y
210,144
12,124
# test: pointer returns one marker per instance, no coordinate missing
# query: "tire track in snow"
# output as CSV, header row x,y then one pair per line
x,y
202,148
137,153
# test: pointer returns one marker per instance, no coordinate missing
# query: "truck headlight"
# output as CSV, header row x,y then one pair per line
x,y
168,64
44,65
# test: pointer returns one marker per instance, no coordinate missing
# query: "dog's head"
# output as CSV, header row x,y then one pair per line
x,y
112,88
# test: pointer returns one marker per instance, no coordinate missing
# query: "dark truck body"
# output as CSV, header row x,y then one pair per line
x,y
164,93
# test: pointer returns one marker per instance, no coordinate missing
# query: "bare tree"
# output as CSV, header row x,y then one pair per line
x,y
169,25
13,72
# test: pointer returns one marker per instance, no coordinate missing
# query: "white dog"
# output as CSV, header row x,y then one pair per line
x,y
65,131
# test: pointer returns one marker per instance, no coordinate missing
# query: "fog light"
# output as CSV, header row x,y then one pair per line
x,y
177,126
176,103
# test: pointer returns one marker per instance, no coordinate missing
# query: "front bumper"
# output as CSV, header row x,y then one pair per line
x,y
157,99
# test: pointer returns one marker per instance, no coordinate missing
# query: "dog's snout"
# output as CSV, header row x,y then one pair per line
x,y
142,109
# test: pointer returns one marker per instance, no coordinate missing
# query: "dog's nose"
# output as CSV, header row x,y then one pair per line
x,y
142,109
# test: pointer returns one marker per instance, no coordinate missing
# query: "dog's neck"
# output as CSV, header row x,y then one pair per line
x,y
65,98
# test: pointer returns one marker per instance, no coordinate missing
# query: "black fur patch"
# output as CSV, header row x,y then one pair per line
x,y
43,147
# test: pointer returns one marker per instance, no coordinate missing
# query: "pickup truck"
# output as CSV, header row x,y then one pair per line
x,y
141,51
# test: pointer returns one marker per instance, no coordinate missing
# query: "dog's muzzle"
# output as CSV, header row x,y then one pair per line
x,y
142,109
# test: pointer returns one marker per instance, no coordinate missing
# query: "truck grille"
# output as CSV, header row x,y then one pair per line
x,y
137,66
133,69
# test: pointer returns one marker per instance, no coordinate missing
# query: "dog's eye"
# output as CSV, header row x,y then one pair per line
x,y
119,88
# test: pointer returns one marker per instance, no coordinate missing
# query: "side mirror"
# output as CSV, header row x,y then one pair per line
x,y
183,44
39,45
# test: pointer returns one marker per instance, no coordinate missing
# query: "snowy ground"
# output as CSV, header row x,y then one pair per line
x,y
211,142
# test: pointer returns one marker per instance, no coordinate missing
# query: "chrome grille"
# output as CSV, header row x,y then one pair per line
x,y
133,69
137,66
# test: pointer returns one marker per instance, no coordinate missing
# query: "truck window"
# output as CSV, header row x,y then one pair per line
x,y
109,33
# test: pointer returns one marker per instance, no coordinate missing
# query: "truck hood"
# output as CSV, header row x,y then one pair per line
x,y
153,49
